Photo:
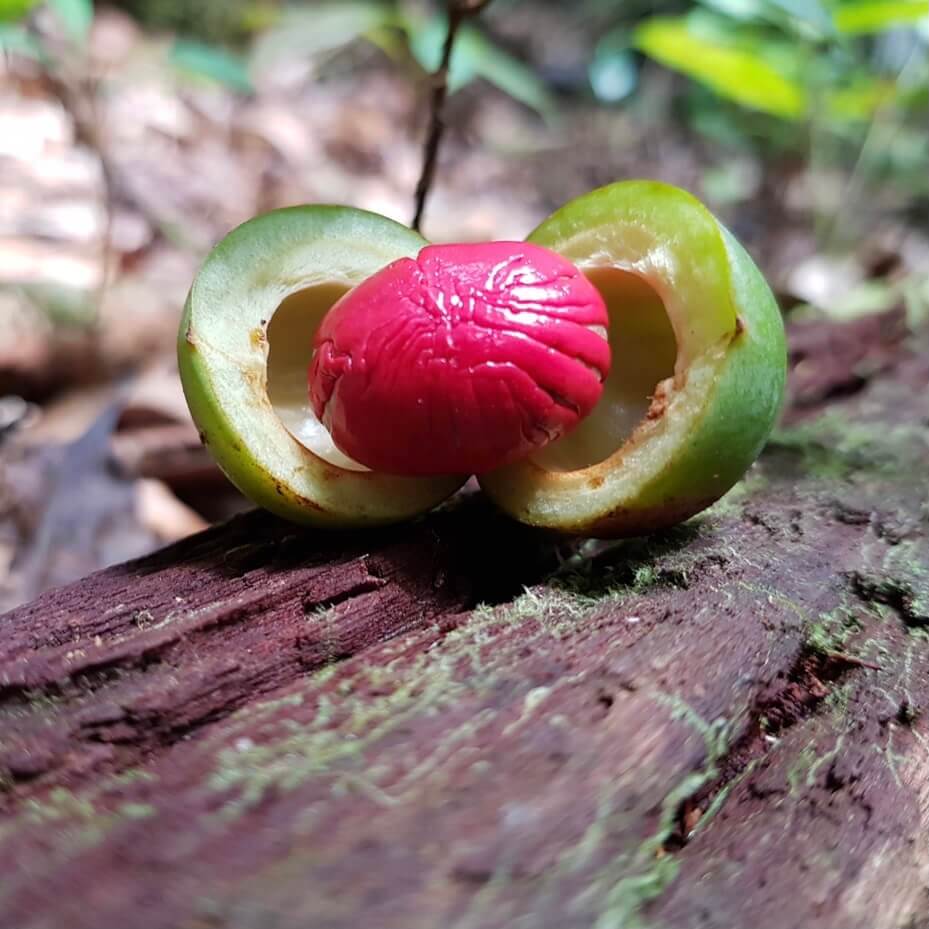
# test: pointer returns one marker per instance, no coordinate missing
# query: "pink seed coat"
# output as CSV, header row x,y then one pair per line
x,y
461,360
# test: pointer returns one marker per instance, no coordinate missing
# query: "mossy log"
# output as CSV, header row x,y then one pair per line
x,y
468,725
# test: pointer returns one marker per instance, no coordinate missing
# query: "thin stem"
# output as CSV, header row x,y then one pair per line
x,y
458,12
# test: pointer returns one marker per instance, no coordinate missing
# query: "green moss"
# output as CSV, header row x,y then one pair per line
x,y
825,758
798,772
60,804
636,566
837,703
832,630
31,703
137,810
892,757
732,503
835,446
649,870
906,567
719,801
273,755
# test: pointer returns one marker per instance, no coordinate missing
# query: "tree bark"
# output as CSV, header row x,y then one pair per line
x,y
722,725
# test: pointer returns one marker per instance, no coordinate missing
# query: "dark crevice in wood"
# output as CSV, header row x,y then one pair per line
x,y
366,586
889,591
812,677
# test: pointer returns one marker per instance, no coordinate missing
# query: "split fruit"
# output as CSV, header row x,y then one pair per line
x,y
697,381
586,446
244,348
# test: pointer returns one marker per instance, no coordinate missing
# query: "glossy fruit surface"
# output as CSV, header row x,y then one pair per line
x,y
461,360
699,364
245,344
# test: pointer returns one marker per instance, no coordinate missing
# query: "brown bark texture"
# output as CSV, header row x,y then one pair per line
x,y
462,723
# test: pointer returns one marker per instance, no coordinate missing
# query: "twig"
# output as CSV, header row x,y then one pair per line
x,y
458,12
852,660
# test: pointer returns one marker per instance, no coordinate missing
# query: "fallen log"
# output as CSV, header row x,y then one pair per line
x,y
462,723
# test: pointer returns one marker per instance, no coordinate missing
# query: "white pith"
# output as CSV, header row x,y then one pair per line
x,y
290,339
643,351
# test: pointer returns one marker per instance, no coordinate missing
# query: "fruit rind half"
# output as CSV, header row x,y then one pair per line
x,y
708,422
223,355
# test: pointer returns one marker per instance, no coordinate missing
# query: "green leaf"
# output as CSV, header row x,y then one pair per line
x,y
211,62
475,56
859,100
76,16
732,72
810,13
867,16
505,72
612,72
307,33
13,10
742,10
426,41
18,41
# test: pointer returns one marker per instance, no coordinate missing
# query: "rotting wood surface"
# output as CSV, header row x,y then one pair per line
x,y
720,726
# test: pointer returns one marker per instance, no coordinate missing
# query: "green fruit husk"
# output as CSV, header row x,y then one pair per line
x,y
311,254
709,421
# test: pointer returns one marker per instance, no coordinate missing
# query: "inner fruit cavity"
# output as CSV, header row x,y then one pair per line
x,y
461,360
290,344
644,353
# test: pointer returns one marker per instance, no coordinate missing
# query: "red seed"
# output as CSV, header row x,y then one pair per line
x,y
461,360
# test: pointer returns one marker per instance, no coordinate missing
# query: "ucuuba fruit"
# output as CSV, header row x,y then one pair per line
x,y
699,363
692,388
245,343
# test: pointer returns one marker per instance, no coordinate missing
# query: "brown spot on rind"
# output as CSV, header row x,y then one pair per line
x,y
739,327
299,499
660,399
595,482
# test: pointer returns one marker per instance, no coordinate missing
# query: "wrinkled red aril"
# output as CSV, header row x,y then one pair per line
x,y
461,360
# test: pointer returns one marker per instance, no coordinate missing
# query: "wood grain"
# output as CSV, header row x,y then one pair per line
x,y
465,724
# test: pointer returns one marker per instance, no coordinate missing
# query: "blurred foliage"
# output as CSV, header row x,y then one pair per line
x,y
75,16
12,10
17,41
869,16
839,83
476,56
306,32
789,59
223,22
318,29
211,61
739,70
